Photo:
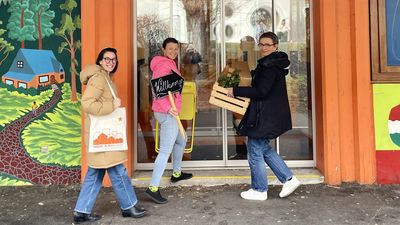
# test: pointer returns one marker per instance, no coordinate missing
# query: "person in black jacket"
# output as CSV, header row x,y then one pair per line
x,y
266,118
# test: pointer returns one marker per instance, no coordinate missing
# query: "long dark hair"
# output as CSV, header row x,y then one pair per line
x,y
101,56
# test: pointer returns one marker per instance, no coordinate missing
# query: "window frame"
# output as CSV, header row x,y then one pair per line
x,y
44,76
381,71
9,82
22,84
20,64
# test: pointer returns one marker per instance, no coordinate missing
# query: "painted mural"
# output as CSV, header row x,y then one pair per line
x,y
387,116
40,117
387,132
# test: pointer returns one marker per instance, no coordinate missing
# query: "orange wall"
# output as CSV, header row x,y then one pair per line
x,y
108,23
345,143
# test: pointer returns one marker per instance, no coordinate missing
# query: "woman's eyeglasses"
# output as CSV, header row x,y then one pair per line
x,y
265,45
108,60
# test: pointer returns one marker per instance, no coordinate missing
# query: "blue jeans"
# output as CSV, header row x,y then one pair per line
x,y
92,184
259,152
170,141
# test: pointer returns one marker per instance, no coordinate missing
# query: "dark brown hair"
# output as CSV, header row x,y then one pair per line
x,y
270,35
169,40
101,56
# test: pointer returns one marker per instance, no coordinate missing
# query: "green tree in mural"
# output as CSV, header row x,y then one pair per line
x,y
5,47
21,25
42,17
4,2
66,31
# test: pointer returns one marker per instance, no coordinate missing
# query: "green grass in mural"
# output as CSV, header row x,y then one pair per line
x,y
56,140
6,180
14,104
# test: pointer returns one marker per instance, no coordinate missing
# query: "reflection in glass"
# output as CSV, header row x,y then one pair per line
x,y
297,144
198,25
191,23
251,19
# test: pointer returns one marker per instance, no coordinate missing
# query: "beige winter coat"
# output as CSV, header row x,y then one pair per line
x,y
98,100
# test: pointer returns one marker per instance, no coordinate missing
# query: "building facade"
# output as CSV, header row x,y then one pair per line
x,y
341,63
342,83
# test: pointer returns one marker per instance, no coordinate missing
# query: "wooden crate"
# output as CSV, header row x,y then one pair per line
x,y
219,98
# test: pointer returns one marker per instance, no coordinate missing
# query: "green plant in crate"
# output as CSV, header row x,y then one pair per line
x,y
230,78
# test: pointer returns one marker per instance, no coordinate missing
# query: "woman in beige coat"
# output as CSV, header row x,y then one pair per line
x,y
98,100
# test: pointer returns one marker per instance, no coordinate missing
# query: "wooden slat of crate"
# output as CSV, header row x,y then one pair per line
x,y
235,101
219,98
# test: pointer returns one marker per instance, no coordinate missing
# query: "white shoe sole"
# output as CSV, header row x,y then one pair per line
x,y
253,199
289,193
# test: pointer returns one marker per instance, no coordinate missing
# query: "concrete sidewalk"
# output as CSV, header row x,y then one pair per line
x,y
219,205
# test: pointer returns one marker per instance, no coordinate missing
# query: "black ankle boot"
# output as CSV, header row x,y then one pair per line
x,y
83,217
134,212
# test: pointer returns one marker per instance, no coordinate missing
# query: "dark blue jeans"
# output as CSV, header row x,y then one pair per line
x,y
259,153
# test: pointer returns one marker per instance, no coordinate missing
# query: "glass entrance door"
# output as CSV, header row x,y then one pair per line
x,y
214,34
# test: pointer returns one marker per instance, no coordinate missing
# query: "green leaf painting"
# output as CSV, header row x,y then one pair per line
x,y
15,104
7,180
21,24
68,26
4,2
5,46
42,138
42,17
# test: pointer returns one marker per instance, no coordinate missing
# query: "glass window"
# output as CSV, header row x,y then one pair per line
x,y
250,19
22,84
385,40
9,82
214,34
44,79
191,23
20,64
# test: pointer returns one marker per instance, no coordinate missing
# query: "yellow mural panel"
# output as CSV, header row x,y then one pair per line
x,y
387,116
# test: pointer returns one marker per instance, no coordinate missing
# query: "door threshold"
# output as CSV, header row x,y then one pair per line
x,y
224,176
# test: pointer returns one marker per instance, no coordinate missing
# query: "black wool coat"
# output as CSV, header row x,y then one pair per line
x,y
268,115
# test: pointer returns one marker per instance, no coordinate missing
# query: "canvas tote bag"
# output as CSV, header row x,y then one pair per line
x,y
108,132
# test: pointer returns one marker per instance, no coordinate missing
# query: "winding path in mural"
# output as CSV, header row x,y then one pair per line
x,y
14,160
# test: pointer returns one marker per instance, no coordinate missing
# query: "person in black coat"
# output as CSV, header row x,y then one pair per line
x,y
266,118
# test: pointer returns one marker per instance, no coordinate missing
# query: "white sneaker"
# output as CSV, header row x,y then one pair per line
x,y
289,187
254,195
